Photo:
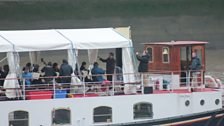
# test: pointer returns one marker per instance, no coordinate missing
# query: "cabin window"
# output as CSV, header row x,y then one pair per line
x,y
165,55
150,50
142,110
61,116
102,114
18,118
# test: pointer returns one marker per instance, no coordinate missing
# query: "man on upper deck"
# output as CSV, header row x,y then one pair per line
x,y
144,59
195,67
110,65
66,71
143,65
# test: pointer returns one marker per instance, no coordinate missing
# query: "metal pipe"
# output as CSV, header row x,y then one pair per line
x,y
54,88
24,90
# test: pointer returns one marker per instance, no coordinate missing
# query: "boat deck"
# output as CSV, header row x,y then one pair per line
x,y
179,91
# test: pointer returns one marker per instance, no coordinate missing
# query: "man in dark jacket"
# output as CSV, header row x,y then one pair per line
x,y
195,67
110,65
65,70
195,63
143,65
144,59
48,72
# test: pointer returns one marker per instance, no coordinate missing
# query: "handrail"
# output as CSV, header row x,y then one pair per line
x,y
106,88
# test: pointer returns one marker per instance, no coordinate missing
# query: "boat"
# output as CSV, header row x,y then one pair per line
x,y
162,96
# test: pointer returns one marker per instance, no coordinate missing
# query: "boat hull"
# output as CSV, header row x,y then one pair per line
x,y
212,118
166,109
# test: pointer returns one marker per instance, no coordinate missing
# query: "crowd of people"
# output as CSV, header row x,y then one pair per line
x,y
32,73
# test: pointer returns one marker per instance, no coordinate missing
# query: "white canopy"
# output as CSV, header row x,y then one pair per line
x,y
100,38
5,46
64,39
40,40
35,40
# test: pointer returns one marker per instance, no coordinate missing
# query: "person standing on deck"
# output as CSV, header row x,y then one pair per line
x,y
195,67
65,70
49,72
144,59
110,66
143,65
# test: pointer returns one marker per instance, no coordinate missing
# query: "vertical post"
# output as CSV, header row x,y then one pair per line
x,y
202,85
84,87
142,83
24,89
54,88
113,85
189,80
171,84
186,79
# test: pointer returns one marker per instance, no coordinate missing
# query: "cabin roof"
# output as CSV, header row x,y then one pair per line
x,y
176,43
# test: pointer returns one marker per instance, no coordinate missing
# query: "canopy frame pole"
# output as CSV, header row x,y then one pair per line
x,y
13,51
9,42
3,59
73,52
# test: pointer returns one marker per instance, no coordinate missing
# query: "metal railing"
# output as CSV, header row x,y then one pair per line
x,y
153,81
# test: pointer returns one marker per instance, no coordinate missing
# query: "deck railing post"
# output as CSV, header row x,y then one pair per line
x,y
186,77
189,80
54,87
142,83
84,86
202,85
171,84
113,85
24,89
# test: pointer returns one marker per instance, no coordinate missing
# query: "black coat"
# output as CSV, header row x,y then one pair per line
x,y
143,65
65,70
110,65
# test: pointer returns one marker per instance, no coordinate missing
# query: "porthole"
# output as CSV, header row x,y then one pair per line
x,y
202,102
187,103
217,101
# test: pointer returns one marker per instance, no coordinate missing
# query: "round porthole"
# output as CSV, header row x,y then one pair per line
x,y
187,103
202,102
217,101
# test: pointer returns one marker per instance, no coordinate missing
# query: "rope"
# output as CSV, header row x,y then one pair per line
x,y
3,59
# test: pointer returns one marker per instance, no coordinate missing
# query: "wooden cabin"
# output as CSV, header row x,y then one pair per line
x,y
174,56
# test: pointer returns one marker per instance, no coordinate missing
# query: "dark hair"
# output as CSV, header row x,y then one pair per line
x,y
55,64
36,68
95,64
83,63
28,64
112,54
49,63
64,61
